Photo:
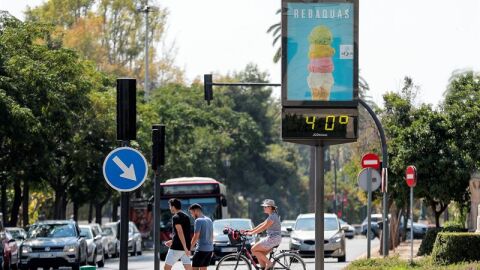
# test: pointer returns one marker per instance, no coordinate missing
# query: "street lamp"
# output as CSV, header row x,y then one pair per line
x,y
146,9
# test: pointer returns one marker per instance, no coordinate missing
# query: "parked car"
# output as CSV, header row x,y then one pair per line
x,y
96,255
109,232
221,243
9,251
98,230
287,227
419,229
375,229
18,234
53,243
134,239
302,238
349,229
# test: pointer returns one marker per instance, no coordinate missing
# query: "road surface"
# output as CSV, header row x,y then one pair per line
x,y
355,248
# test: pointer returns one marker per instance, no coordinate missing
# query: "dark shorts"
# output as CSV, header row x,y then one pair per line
x,y
201,258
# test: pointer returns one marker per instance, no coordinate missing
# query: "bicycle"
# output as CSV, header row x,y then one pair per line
x,y
243,259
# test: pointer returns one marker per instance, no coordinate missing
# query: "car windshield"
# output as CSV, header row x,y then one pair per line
x,y
85,232
17,234
219,225
107,231
308,224
52,230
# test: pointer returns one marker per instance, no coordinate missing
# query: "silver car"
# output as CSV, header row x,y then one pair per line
x,y
302,237
18,234
134,238
109,232
98,230
94,245
53,244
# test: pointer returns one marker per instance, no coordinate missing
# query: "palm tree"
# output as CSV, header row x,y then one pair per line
x,y
276,31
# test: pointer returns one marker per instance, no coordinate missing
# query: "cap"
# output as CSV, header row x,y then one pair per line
x,y
269,202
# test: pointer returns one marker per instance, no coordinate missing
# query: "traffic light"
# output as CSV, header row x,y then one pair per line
x,y
207,84
158,146
126,109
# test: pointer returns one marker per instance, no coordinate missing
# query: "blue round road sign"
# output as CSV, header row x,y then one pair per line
x,y
125,169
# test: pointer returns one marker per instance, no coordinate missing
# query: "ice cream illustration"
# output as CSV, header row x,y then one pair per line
x,y
320,79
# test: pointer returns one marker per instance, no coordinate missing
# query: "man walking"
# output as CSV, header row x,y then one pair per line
x,y
203,237
179,246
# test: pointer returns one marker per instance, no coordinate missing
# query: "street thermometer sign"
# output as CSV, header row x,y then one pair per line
x,y
371,160
411,176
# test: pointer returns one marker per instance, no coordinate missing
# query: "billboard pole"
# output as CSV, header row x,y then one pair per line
x,y
319,205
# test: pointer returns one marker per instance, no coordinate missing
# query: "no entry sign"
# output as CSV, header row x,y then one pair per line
x,y
371,160
411,176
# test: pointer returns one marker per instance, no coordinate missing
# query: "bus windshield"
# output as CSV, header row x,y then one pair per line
x,y
211,209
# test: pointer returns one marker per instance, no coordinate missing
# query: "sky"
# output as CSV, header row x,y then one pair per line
x,y
426,40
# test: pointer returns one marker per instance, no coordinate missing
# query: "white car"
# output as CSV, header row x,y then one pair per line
x,y
95,252
302,237
287,227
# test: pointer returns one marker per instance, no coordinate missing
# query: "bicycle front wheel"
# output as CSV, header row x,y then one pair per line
x,y
234,262
289,261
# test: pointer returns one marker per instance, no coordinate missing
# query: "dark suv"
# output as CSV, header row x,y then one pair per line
x,y
53,244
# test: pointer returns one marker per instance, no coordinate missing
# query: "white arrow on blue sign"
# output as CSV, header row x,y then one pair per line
x,y
125,169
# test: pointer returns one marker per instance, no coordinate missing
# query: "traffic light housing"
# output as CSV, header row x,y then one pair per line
x,y
126,109
207,84
158,146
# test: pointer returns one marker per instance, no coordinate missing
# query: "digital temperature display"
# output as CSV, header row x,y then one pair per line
x,y
341,124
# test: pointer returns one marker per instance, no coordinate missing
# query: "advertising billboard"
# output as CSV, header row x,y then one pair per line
x,y
319,53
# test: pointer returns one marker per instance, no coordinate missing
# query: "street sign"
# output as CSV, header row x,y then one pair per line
x,y
125,169
371,160
363,178
411,176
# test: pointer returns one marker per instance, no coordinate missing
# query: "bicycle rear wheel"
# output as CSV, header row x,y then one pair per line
x,y
290,261
234,262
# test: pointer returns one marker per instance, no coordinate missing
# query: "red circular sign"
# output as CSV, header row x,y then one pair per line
x,y
371,160
411,176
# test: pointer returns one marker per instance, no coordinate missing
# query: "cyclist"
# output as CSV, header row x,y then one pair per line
x,y
274,234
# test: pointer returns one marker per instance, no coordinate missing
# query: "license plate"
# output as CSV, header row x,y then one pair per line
x,y
46,255
229,249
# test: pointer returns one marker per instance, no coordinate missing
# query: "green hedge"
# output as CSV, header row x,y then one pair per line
x,y
456,247
426,246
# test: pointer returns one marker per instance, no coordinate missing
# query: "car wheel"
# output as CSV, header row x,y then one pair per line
x,y
76,267
139,252
342,259
134,251
101,263
93,262
372,235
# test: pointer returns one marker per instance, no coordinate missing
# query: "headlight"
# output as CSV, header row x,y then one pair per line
x,y
336,238
130,239
296,241
26,249
70,248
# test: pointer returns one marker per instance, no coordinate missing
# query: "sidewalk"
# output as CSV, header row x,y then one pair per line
x,y
403,250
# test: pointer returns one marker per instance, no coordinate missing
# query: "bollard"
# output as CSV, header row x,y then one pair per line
x,y
88,267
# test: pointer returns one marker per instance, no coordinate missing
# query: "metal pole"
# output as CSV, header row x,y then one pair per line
x,y
124,220
411,224
369,211
156,214
146,51
335,186
319,205
383,139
